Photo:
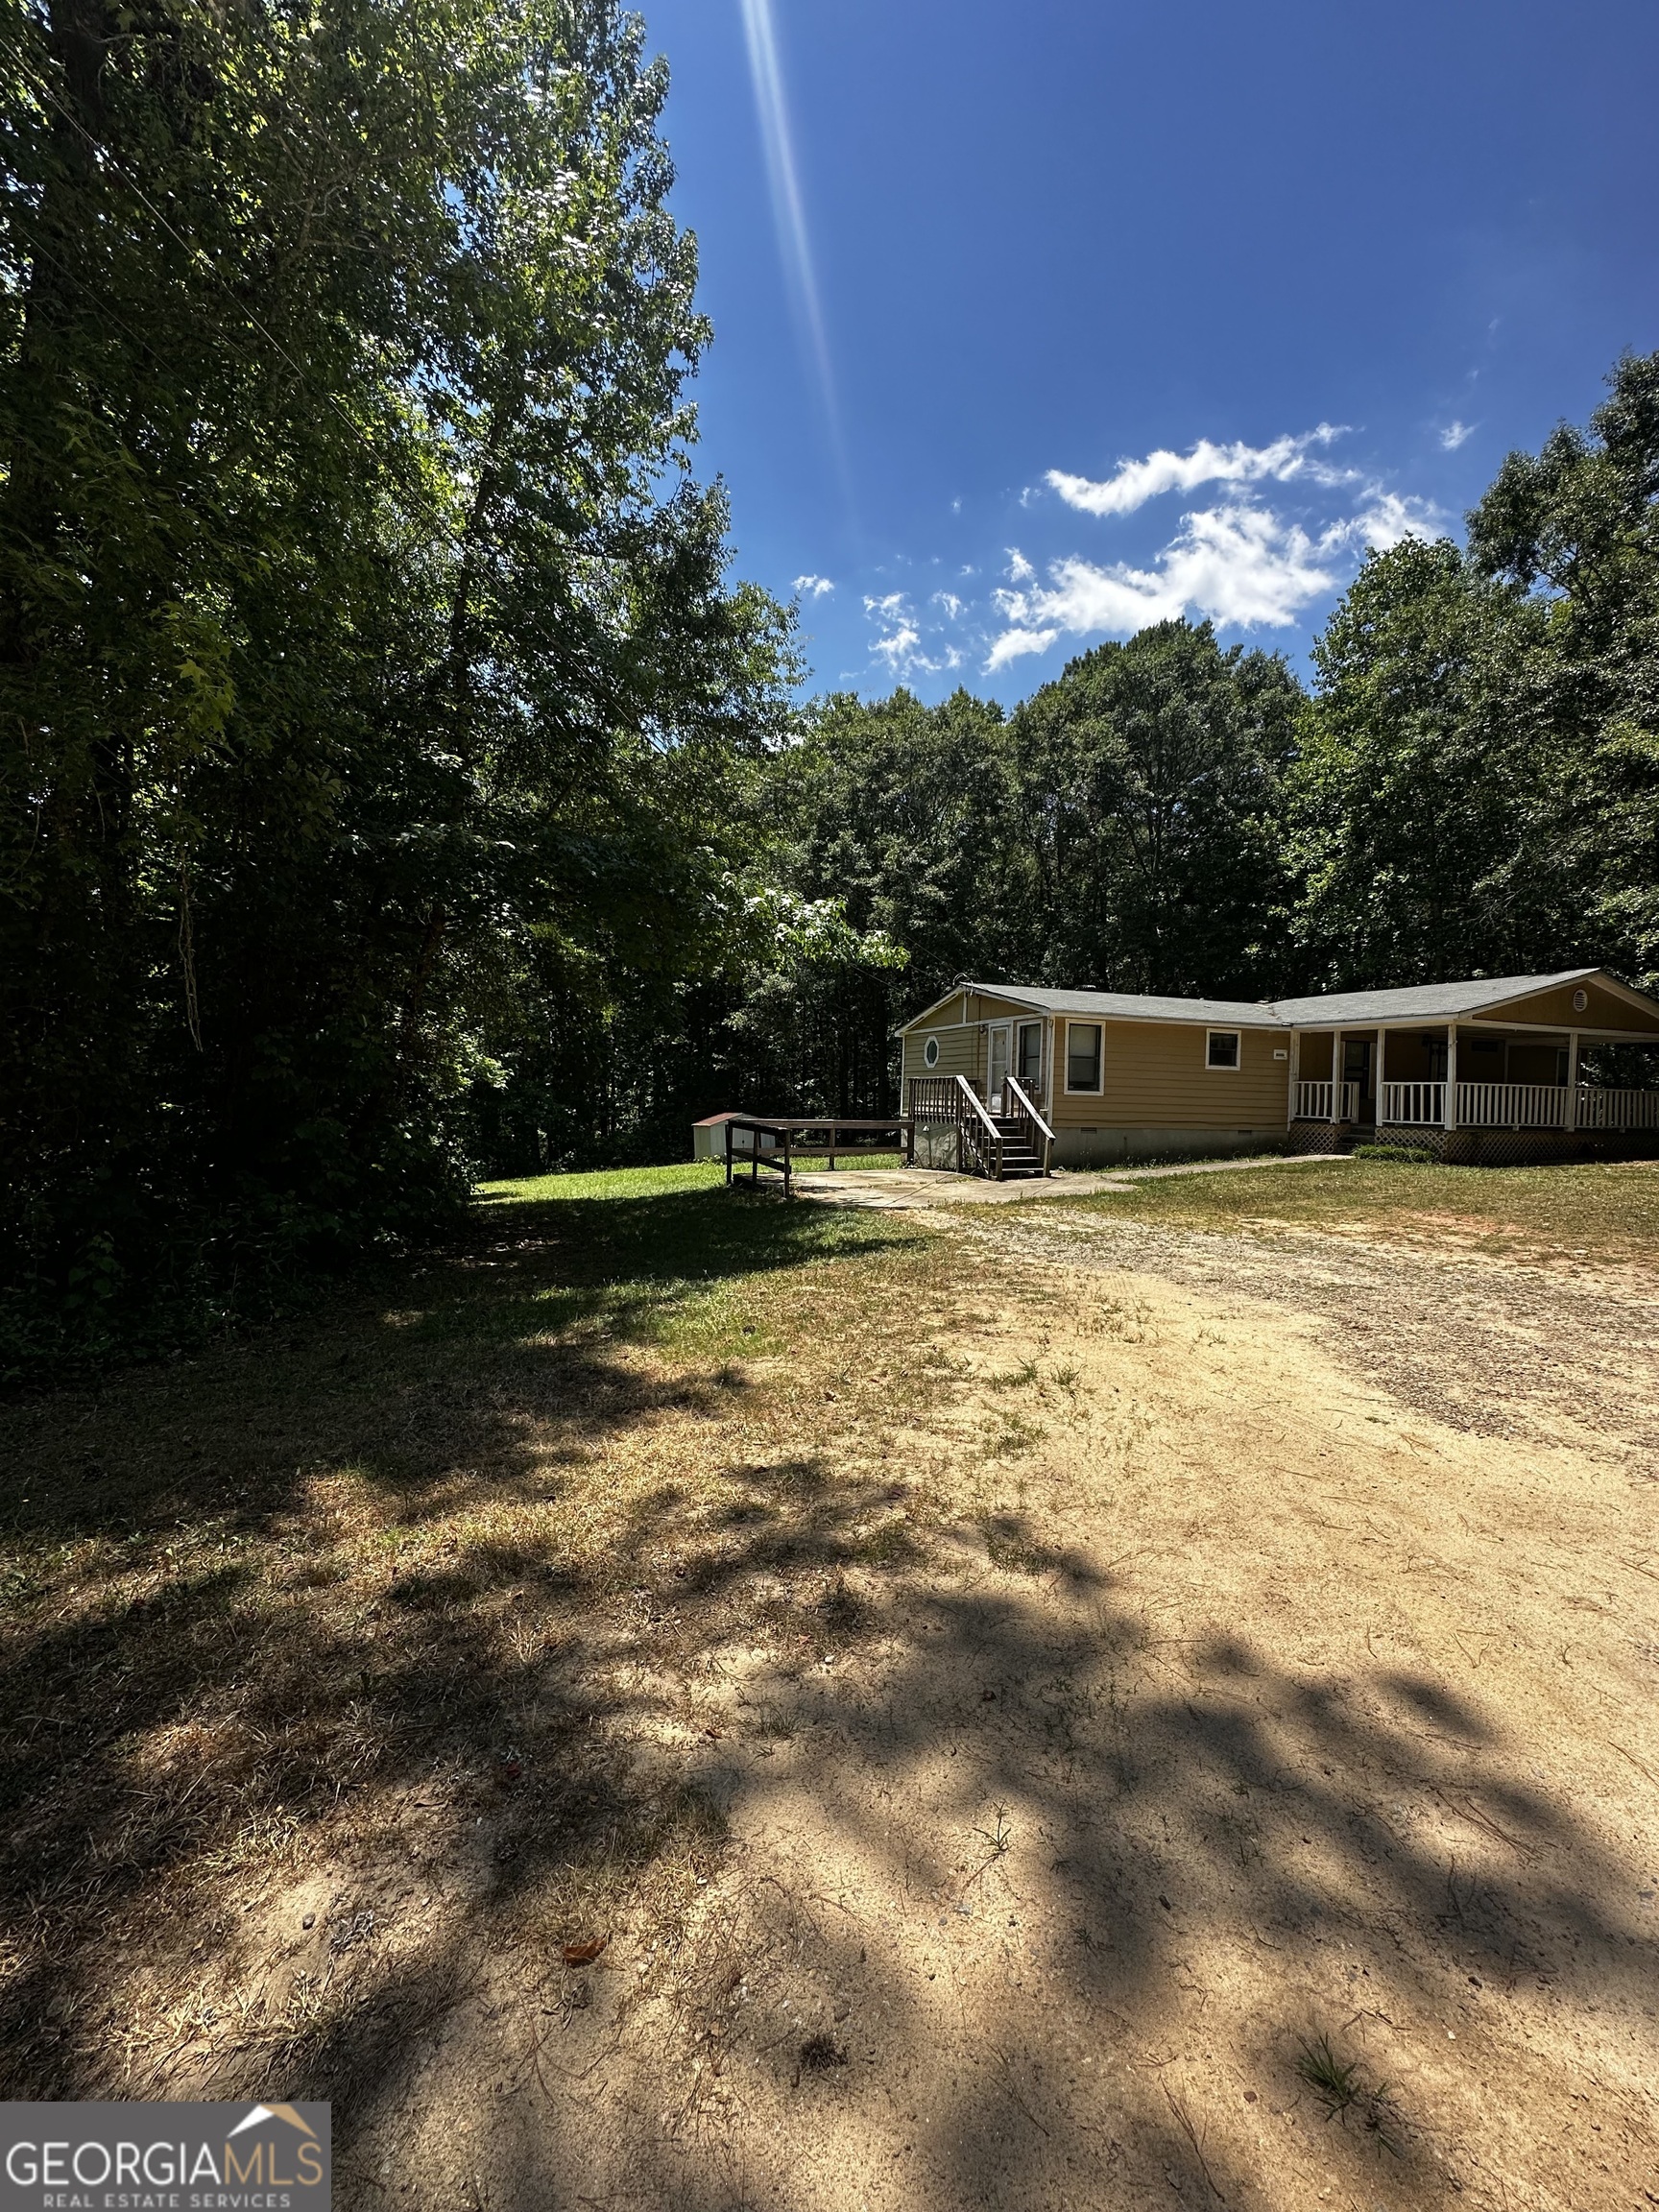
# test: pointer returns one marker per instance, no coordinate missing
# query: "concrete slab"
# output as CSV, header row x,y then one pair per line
x,y
912,1189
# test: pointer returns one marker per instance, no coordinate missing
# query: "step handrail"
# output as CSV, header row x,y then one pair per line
x,y
1029,1115
993,1163
1019,1092
972,1097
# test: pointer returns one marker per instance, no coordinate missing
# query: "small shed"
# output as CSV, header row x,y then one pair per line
x,y
709,1136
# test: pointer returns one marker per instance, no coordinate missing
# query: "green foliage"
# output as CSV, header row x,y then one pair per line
x,y
364,643
904,812
1477,782
1148,816
1120,829
392,781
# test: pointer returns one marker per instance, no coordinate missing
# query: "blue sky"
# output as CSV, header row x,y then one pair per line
x,y
1035,322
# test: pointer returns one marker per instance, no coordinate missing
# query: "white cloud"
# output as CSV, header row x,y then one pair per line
x,y
1454,435
1134,482
897,642
1240,566
1012,644
1384,521
1239,562
814,586
950,604
899,649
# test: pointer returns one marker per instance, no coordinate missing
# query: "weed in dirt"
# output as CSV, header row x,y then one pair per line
x,y
1340,2086
1609,1209
1019,1377
1009,1547
1337,2080
1012,1436
1122,1318
840,1608
820,2053
1068,1377
998,1839
889,1544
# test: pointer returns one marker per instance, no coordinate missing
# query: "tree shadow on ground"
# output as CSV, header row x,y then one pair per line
x,y
188,1679
215,1732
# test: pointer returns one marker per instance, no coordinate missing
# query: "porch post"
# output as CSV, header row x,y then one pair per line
x,y
1382,1048
1295,1076
1451,1114
1572,1080
1336,1076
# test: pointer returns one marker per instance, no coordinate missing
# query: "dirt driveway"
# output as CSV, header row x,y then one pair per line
x,y
1243,1794
995,1709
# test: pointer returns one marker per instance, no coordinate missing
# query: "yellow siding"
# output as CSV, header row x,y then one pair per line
x,y
983,1007
1409,1059
961,1051
1534,1064
1156,1079
1314,1056
1553,1009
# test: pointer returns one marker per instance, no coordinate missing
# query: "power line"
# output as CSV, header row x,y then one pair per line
x,y
198,253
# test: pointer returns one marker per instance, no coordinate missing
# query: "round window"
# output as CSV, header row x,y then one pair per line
x,y
1580,999
930,1051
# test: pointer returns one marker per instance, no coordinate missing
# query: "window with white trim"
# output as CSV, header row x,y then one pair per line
x,y
1083,1056
1221,1048
1029,1055
931,1052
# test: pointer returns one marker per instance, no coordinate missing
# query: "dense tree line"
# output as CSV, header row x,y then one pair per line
x,y
395,785
1469,786
368,671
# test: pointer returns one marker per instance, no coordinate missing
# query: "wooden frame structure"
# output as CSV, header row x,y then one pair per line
x,y
814,1134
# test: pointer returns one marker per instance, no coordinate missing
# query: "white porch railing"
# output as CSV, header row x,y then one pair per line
x,y
1512,1105
1317,1102
1515,1106
1414,1105
1618,1109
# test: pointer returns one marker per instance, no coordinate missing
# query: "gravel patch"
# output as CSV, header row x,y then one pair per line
x,y
1495,1348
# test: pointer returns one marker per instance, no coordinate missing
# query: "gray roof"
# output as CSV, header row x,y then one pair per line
x,y
1417,1002
1420,1002
1132,1005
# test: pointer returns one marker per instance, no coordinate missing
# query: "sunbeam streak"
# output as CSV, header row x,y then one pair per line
x,y
789,210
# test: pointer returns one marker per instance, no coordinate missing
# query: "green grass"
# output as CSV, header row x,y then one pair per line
x,y
606,1183
270,1593
655,1254
846,1160
1599,1211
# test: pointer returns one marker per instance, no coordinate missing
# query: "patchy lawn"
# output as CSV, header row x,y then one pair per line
x,y
687,1700
1600,1212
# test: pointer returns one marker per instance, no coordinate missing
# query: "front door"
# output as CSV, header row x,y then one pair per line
x,y
1359,1057
1001,1044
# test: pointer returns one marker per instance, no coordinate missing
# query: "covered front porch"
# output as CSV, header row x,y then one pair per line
x,y
1472,1090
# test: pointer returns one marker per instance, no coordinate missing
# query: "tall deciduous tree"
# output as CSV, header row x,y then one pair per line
x,y
1575,530
903,811
1148,778
359,620
1477,781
